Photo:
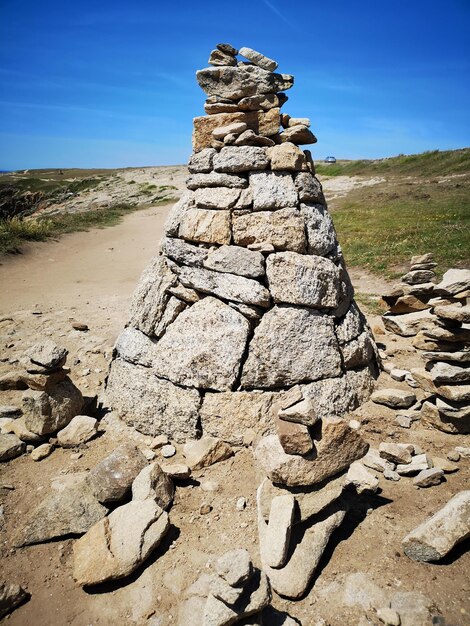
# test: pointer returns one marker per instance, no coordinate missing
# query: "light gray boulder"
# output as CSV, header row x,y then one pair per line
x,y
235,159
10,446
183,252
272,190
204,346
284,229
47,412
152,483
47,354
81,429
236,260
239,82
321,234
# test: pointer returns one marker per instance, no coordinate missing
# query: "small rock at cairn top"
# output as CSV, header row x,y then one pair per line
x,y
47,354
249,293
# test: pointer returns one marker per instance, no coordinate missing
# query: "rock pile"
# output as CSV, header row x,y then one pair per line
x,y
249,294
235,591
437,316
299,503
50,402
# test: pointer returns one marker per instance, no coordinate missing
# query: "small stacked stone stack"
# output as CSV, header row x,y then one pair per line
x,y
300,503
53,399
249,295
416,289
440,327
235,591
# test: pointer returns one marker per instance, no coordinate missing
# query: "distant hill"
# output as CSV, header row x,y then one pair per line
x,y
424,164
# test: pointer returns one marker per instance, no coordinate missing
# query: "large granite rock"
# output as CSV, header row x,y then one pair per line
x,y
224,285
273,190
290,346
321,234
337,446
112,478
206,226
239,82
311,281
240,159
47,412
283,229
236,260
204,346
115,546
150,404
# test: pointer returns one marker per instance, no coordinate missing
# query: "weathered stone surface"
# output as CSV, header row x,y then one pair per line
x,y
250,138
292,580
408,304
172,225
299,134
10,447
321,234
286,157
395,452
151,297
215,179
177,471
241,159
236,260
71,511
206,226
290,346
81,429
437,535
221,590
42,452
418,277
362,478
183,252
310,500
302,412
294,438
309,188
18,428
375,461
263,101
216,197
234,567
409,324
232,416
235,128
48,412
151,404
429,477
116,545
256,595
446,336
298,121
455,357
206,451
453,281
11,596
272,190
201,162
359,351
242,81
305,280
448,423
203,347
219,57
350,326
278,531
219,125
226,286
258,59
44,382
457,313
455,410
449,373
135,347
47,354
394,398
112,478
152,483
337,446
284,229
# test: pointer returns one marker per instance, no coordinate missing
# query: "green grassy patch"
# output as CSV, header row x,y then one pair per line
x,y
382,226
16,231
425,164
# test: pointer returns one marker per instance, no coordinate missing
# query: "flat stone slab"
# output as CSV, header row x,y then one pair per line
x,y
283,229
436,536
241,159
291,345
203,348
236,260
239,82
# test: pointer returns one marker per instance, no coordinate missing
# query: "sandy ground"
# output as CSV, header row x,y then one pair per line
x,y
89,277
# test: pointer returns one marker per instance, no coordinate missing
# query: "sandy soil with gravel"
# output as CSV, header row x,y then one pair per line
x,y
89,277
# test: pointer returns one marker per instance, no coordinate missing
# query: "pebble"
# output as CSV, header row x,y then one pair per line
x,y
159,441
79,326
168,451
205,509
453,455
148,454
391,475
398,374
209,485
403,421
464,452
76,455
354,424
42,451
429,477
241,504
389,617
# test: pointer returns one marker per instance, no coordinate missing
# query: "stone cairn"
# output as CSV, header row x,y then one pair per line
x,y
248,299
437,316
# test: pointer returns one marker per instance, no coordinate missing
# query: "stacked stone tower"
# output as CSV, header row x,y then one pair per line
x,y
249,295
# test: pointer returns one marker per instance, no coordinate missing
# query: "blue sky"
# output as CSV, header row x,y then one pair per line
x,y
110,83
